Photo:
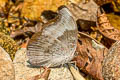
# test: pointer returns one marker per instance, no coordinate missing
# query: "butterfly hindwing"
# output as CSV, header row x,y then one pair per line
x,y
56,44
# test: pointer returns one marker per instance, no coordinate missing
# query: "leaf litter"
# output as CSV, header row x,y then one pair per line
x,y
20,19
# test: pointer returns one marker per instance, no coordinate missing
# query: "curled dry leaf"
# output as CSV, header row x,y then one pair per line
x,y
34,29
111,63
24,34
110,33
105,27
90,56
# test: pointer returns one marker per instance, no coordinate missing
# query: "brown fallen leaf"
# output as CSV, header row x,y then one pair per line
x,y
84,11
105,28
33,29
90,56
33,9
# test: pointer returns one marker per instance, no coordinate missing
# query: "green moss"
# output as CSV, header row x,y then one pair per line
x,y
8,44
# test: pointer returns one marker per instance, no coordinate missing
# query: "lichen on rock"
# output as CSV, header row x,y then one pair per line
x,y
7,43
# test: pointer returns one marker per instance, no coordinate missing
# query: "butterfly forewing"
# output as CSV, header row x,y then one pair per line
x,y
56,44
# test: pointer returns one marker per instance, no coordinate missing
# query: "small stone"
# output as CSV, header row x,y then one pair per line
x,y
23,71
111,63
61,73
6,66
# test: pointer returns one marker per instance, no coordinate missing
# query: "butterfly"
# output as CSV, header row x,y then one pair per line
x,y
56,43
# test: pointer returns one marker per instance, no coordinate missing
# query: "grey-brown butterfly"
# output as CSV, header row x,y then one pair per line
x,y
56,43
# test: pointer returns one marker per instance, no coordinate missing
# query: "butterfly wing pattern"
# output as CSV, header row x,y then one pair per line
x,y
56,44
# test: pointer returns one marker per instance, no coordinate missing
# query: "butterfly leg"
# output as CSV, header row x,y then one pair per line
x,y
73,62
44,75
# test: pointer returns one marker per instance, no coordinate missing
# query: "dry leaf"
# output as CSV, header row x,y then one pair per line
x,y
104,26
33,9
90,56
84,11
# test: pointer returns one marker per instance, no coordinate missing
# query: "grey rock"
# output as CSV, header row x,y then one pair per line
x,y
111,63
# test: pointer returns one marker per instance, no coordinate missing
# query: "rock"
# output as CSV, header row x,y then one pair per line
x,y
111,63
24,71
62,73
6,66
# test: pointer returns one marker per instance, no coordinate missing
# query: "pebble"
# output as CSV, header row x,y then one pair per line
x,y
111,63
6,66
